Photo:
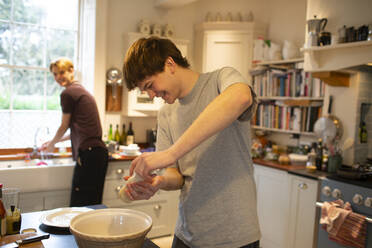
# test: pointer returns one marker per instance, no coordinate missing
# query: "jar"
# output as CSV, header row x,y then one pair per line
x,y
325,38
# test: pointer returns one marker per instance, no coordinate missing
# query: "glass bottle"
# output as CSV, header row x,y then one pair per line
x,y
110,136
130,135
2,213
363,133
123,136
319,155
117,134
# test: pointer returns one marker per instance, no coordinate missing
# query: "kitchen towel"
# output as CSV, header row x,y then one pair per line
x,y
352,231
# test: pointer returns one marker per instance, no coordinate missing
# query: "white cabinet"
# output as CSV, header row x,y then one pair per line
x,y
38,201
273,205
138,103
163,207
219,44
302,219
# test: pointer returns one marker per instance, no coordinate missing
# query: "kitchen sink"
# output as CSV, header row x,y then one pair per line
x,y
37,175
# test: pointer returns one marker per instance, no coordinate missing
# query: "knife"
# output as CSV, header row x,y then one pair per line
x,y
17,243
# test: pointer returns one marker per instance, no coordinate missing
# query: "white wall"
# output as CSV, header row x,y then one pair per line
x,y
346,101
286,20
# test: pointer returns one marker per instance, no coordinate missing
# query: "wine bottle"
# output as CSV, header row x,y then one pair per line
x,y
2,213
363,133
123,136
117,134
130,134
319,155
110,137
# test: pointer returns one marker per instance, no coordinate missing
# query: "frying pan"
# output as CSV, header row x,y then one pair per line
x,y
329,127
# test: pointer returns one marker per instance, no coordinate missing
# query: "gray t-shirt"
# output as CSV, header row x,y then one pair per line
x,y
218,200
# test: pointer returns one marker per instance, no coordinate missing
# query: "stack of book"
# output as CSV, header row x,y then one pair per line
x,y
287,83
279,115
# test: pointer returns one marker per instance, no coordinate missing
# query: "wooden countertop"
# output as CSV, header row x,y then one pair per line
x,y
276,165
59,237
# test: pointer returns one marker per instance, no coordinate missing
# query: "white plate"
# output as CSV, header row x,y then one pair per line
x,y
131,154
61,217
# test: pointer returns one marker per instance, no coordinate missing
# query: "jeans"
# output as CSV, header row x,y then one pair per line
x,y
177,243
89,177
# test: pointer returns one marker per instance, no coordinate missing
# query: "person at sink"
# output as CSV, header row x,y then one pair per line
x,y
203,142
80,114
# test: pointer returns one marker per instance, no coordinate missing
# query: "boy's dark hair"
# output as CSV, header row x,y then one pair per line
x,y
146,57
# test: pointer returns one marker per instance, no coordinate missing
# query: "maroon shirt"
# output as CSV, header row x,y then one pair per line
x,y
85,125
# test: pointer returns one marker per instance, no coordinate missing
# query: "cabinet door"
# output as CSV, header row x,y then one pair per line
x,y
272,205
57,199
303,212
31,202
227,49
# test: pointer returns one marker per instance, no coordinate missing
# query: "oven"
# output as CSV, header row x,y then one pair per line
x,y
358,193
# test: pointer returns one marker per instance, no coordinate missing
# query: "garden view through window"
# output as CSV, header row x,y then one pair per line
x,y
32,34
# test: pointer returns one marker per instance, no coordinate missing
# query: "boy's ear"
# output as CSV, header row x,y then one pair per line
x,y
170,64
170,61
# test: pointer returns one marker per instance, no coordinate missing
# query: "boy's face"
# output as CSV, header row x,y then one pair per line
x,y
161,85
63,77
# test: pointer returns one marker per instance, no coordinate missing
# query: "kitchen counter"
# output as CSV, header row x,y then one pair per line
x,y
276,165
59,238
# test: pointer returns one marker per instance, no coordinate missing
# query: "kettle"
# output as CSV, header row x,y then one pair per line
x,y
316,25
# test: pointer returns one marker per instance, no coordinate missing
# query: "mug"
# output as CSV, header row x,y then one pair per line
x,y
325,38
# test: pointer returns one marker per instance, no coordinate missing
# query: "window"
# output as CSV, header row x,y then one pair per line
x,y
32,34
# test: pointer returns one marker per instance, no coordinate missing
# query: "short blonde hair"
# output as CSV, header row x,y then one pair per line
x,y
61,63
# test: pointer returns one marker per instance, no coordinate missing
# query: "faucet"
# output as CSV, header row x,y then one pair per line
x,y
34,151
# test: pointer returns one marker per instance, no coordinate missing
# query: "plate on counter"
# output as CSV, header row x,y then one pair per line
x,y
131,154
61,217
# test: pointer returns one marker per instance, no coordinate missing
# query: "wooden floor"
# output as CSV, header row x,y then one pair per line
x,y
163,242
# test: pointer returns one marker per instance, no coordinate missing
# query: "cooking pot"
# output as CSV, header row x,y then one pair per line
x,y
329,127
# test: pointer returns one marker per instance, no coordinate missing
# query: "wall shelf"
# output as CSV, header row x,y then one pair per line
x,y
282,130
278,62
337,57
334,78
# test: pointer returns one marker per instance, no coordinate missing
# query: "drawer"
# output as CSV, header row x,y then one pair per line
x,y
112,188
116,170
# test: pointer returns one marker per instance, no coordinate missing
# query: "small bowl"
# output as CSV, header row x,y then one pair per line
x,y
111,228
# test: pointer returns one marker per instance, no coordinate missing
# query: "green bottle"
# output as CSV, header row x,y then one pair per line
x,y
117,134
363,133
110,137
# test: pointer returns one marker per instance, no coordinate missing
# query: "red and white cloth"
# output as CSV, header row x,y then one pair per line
x,y
343,225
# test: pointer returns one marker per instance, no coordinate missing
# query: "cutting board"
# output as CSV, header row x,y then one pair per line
x,y
113,101
12,238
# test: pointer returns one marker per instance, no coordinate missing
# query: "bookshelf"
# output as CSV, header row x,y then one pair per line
x,y
290,99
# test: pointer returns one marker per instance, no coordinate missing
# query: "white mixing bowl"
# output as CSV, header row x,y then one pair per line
x,y
111,228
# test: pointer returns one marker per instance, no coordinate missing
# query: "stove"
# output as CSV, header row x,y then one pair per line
x,y
356,171
357,192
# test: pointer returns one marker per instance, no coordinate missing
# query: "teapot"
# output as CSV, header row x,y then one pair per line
x,y
316,25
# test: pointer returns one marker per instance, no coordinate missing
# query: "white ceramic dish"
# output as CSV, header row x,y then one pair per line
x,y
111,228
61,217
137,153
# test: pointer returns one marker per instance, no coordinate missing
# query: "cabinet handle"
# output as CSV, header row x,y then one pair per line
x,y
157,207
302,186
118,188
119,171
